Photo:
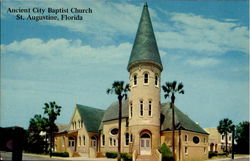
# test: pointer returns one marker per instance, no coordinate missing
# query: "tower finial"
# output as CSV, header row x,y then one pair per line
x,y
145,4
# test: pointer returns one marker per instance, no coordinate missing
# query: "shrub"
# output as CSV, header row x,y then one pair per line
x,y
212,153
60,154
126,156
166,153
111,154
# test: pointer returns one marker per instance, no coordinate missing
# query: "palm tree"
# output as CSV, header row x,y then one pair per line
x,y
52,110
170,91
225,127
120,90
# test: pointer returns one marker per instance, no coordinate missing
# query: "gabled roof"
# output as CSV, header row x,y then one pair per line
x,y
62,127
182,121
145,48
92,117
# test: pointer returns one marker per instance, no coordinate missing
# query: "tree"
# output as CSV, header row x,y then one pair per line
x,y
120,90
35,142
52,110
242,137
225,127
170,89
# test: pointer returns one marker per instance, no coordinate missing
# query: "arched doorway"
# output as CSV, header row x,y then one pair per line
x,y
145,144
212,147
216,148
94,142
72,143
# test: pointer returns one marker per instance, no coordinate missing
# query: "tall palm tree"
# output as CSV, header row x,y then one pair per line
x,y
120,90
52,110
225,127
170,90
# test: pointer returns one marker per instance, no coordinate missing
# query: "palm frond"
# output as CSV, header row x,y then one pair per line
x,y
164,88
181,92
174,85
109,91
166,95
169,85
180,86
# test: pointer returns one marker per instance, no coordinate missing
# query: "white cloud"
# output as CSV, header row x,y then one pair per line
x,y
68,51
202,62
203,35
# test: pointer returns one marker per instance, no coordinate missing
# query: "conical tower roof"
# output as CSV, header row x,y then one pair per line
x,y
145,48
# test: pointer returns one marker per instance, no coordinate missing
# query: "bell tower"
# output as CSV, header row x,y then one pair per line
x,y
145,69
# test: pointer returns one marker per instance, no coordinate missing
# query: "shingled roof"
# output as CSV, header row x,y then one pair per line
x,y
145,48
182,121
92,117
112,113
62,127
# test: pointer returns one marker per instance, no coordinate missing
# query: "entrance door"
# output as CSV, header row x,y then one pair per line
x,y
94,142
145,144
72,144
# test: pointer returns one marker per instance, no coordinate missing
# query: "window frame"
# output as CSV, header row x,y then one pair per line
x,y
127,139
113,129
103,140
110,141
79,140
186,150
141,108
150,104
135,80
130,138
186,138
156,80
131,110
83,140
144,78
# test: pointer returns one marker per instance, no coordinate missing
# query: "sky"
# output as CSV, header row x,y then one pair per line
x,y
203,44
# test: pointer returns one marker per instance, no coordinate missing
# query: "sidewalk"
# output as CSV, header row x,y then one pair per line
x,y
88,159
243,158
70,158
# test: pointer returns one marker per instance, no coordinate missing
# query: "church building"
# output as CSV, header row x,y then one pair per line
x,y
146,122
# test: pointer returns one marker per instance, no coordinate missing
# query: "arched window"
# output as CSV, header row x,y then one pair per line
x,y
80,140
79,124
110,141
131,138
103,139
131,109
135,80
126,138
71,141
156,80
83,139
186,138
141,108
150,108
146,78
63,141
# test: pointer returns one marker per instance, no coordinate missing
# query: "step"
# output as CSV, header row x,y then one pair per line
x,y
145,158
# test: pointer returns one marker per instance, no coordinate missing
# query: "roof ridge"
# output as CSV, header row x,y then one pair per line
x,y
78,105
